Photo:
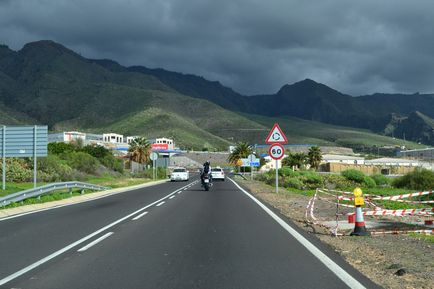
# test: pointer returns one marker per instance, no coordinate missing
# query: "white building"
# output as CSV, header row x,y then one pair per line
x,y
270,164
163,141
131,138
113,138
67,136
393,162
352,160
422,154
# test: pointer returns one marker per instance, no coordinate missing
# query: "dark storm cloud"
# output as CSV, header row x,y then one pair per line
x,y
255,47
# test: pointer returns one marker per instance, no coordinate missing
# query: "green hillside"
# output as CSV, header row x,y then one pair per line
x,y
47,83
300,131
155,122
193,123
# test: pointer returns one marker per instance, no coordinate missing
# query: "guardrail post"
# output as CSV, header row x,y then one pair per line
x,y
82,191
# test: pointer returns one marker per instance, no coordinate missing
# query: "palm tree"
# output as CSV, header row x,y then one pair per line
x,y
139,150
242,150
296,160
314,157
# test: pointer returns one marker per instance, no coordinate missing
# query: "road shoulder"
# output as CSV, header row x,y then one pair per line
x,y
376,257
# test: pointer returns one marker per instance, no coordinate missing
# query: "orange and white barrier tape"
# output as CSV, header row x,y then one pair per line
x,y
400,197
404,212
426,232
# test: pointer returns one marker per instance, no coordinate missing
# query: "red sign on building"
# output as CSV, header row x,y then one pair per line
x,y
160,146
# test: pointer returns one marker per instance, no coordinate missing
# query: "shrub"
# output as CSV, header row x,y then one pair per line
x,y
311,180
97,151
354,175
369,182
420,179
337,182
59,148
288,172
17,170
51,169
82,161
294,183
381,180
161,173
113,163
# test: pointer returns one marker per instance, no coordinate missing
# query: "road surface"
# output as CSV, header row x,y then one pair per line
x,y
173,235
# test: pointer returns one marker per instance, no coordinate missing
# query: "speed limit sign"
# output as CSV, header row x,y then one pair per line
x,y
276,151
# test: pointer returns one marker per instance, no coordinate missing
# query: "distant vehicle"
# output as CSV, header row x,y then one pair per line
x,y
217,174
179,174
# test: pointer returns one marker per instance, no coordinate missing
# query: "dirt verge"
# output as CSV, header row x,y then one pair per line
x,y
392,261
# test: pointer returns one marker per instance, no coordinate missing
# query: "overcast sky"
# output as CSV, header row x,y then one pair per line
x,y
253,46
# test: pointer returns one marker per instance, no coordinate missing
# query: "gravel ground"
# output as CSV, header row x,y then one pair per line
x,y
378,257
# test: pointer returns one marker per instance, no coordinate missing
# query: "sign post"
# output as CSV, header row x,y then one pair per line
x,y
276,138
23,142
276,152
153,157
251,158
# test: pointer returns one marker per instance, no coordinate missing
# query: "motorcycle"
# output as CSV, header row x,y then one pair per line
x,y
206,182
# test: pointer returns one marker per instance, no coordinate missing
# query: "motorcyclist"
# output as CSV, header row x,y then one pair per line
x,y
206,170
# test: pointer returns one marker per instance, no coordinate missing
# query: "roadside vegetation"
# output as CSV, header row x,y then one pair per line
x,y
75,162
307,181
241,150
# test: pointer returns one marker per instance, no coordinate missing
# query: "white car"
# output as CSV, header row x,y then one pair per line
x,y
179,174
217,174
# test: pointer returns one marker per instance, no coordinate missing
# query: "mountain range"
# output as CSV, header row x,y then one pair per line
x,y
47,83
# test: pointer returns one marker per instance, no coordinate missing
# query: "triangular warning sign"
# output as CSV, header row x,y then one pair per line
x,y
276,135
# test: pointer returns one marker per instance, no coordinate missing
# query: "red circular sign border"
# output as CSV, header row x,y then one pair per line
x,y
279,145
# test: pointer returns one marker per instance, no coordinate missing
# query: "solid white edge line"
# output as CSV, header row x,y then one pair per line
x,y
94,242
139,216
76,243
160,204
329,263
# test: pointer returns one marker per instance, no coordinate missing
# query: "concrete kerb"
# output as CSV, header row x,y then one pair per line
x,y
73,200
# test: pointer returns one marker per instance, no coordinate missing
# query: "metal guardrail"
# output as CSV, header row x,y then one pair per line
x,y
36,192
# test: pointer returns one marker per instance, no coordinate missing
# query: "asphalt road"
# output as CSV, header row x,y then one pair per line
x,y
173,235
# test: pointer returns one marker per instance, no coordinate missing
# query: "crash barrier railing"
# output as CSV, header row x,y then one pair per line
x,y
340,200
37,192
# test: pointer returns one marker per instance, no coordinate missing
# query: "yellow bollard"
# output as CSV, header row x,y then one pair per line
x,y
360,227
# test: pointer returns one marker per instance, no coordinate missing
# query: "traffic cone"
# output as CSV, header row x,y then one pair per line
x,y
360,228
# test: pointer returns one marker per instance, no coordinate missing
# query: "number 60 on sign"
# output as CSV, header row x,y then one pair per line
x,y
276,151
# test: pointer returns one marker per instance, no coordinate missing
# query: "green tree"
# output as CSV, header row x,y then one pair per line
x,y
140,150
242,150
314,157
58,148
297,160
96,151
